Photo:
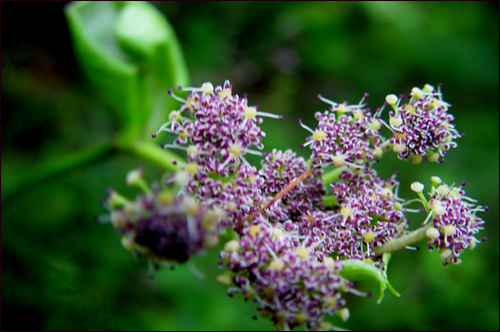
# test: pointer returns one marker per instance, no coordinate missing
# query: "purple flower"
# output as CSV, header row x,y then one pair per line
x,y
367,213
214,123
281,168
454,222
422,128
165,227
345,135
290,285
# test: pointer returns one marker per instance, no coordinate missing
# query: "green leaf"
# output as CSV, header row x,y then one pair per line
x,y
357,270
131,56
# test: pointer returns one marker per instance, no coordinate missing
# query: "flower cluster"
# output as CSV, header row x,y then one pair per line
x,y
422,128
279,169
368,214
221,129
292,241
454,222
345,135
290,284
163,226
217,128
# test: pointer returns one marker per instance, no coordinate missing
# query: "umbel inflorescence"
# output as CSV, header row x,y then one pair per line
x,y
293,233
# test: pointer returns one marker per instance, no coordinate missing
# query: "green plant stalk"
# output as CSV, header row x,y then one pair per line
x,y
333,175
330,200
404,241
156,155
58,166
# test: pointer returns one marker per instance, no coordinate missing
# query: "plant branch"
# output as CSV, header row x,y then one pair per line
x,y
404,241
333,174
156,155
56,167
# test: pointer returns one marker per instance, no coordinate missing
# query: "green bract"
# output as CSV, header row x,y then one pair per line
x,y
356,270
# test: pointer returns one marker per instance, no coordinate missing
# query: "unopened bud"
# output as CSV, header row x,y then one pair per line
x,y
338,160
344,314
303,252
445,254
432,233
395,121
399,148
449,230
232,246
417,187
391,99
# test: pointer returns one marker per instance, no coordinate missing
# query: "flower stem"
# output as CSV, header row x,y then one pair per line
x,y
404,241
56,167
330,200
333,174
156,155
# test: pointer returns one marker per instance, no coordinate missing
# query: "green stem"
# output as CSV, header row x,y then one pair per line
x,y
56,167
404,241
333,174
156,155
330,200
424,201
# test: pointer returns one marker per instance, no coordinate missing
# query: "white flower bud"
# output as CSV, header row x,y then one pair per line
x,y
433,157
133,177
386,192
417,187
128,243
438,209
436,180
449,230
432,233
346,211
428,88
329,262
207,88
190,205
338,160
416,159
344,314
395,121
391,99
445,254
375,124
399,148
369,237
232,246
303,252
181,178
417,93
277,264
277,233
224,279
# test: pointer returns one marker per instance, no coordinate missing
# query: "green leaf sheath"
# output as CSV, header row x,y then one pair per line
x,y
114,79
131,56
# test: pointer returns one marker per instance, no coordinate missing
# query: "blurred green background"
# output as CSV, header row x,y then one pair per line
x,y
63,271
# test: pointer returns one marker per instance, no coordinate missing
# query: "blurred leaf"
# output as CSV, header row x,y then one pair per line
x,y
131,56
